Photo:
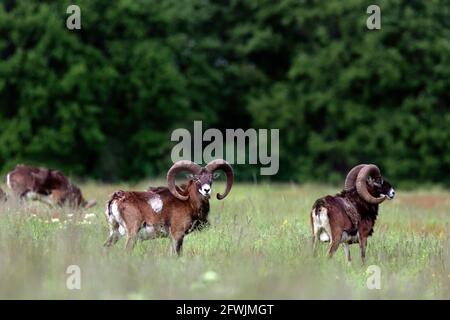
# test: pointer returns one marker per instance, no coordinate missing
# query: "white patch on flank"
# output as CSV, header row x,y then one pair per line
x,y
8,180
156,203
321,224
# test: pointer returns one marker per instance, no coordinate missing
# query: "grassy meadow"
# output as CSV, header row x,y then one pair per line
x,y
258,247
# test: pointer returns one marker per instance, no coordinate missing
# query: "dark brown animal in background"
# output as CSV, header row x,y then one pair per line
x,y
46,185
166,211
2,195
349,216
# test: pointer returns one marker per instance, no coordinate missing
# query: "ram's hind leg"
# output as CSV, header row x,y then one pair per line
x,y
332,248
112,214
114,234
334,242
132,235
132,222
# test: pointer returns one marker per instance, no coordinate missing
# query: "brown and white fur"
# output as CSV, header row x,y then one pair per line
x,y
349,217
46,185
165,211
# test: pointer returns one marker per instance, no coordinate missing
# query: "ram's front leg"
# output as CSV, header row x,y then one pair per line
x,y
348,257
177,238
178,231
362,247
177,244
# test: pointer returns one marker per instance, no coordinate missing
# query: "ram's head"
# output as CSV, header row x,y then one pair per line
x,y
369,183
200,177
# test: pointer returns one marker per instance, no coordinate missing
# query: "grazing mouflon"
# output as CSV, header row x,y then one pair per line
x,y
46,185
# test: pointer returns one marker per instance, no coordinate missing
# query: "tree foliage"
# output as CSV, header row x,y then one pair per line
x,y
102,101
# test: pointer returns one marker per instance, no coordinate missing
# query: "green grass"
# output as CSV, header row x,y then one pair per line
x,y
258,247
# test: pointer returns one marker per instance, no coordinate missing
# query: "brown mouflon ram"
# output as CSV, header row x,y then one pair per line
x,y
349,216
171,211
46,185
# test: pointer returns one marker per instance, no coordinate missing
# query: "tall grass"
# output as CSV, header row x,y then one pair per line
x,y
258,247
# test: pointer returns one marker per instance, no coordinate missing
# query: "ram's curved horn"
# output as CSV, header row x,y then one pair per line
x,y
367,171
182,165
350,180
221,164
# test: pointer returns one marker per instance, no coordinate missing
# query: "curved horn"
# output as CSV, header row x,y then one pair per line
x,y
350,180
221,164
182,165
369,170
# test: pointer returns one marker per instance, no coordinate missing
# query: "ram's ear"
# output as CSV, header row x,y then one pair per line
x,y
378,182
191,176
370,181
216,175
